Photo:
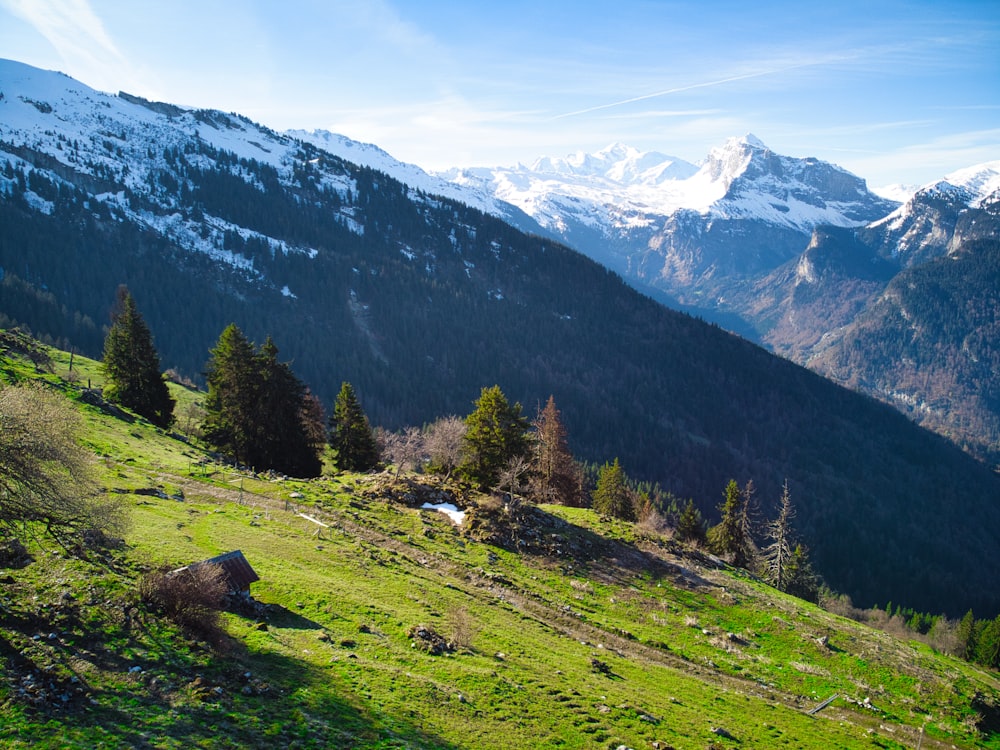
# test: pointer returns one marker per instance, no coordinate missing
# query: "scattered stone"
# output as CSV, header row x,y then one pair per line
x,y
364,629
348,643
323,637
824,641
429,640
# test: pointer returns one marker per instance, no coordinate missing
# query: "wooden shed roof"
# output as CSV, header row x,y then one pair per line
x,y
239,573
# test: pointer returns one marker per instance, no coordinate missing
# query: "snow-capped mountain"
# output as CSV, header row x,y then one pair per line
x,y
370,155
930,224
123,147
679,228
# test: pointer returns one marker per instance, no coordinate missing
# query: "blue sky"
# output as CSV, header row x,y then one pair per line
x,y
894,91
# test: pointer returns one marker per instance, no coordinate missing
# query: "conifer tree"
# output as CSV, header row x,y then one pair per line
x,y
496,434
255,408
283,442
231,403
350,433
557,477
690,525
802,581
727,537
987,650
132,365
778,554
966,635
611,497
749,524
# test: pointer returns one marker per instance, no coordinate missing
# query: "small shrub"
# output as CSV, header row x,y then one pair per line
x,y
191,597
463,627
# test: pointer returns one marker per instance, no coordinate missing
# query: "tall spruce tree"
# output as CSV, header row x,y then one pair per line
x,y
690,525
255,407
283,441
727,537
496,434
611,497
350,433
231,404
557,476
132,365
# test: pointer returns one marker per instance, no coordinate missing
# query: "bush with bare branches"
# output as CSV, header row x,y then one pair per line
x,y
192,597
46,487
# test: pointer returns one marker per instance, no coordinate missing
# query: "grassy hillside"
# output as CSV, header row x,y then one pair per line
x,y
565,631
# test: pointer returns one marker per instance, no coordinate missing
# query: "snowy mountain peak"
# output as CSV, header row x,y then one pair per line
x,y
617,163
981,180
967,187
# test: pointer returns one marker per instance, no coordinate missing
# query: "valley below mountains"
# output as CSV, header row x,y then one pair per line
x,y
420,291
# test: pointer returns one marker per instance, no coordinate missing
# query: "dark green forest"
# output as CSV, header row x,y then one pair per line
x,y
419,302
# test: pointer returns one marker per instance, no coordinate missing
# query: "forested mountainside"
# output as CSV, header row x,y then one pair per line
x,y
905,309
419,301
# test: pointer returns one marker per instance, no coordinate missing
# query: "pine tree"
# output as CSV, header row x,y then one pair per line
x,y
232,400
350,433
132,365
749,525
690,525
966,635
802,581
496,434
728,536
611,497
987,650
282,441
777,555
557,476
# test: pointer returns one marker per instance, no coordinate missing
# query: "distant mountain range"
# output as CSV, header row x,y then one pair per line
x,y
420,299
796,254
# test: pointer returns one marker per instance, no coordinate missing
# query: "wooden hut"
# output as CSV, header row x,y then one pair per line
x,y
238,572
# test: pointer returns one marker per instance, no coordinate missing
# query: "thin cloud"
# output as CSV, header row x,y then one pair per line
x,y
72,28
677,90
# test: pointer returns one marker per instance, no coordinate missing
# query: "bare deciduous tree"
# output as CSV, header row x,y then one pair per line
x,y
45,479
403,449
444,441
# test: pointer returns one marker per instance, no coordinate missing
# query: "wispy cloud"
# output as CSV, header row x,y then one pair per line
x,y
73,29
675,90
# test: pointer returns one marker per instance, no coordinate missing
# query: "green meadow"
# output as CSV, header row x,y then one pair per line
x,y
383,625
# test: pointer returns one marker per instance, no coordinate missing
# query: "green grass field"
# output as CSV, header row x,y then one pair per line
x,y
592,636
